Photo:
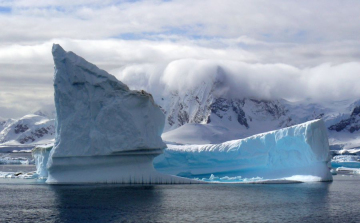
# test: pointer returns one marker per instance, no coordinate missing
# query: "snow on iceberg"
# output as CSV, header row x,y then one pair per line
x,y
105,132
297,153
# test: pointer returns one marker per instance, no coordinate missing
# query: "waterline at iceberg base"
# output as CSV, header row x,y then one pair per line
x,y
297,153
126,168
123,167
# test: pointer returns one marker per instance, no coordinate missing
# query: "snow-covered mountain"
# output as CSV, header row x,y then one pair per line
x,y
28,130
349,122
2,123
210,114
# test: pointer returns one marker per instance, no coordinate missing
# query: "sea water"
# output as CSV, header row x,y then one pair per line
x,y
30,200
337,201
16,167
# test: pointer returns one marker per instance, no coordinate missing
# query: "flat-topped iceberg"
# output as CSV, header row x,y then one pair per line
x,y
297,153
105,132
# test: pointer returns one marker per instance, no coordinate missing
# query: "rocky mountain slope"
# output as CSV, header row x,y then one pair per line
x,y
209,115
28,130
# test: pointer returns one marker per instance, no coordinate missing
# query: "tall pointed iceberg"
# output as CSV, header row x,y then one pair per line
x,y
105,132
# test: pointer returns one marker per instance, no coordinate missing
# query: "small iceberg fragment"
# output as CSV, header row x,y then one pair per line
x,y
347,170
19,175
349,161
25,162
15,160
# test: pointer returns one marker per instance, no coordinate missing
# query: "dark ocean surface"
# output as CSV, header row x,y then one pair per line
x,y
31,201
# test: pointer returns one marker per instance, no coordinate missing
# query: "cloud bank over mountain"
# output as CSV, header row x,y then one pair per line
x,y
286,49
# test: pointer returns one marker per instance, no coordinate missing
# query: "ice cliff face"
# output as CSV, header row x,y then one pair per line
x,y
41,157
301,151
99,115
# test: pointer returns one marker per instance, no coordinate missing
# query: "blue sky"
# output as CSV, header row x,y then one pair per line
x,y
126,37
5,9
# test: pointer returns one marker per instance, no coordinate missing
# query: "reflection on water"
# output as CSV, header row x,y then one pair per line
x,y
308,202
106,203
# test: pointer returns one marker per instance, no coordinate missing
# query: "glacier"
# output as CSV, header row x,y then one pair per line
x,y
297,153
104,132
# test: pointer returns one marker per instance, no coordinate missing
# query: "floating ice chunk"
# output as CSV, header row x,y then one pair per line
x,y
348,170
345,158
29,175
15,160
298,150
349,161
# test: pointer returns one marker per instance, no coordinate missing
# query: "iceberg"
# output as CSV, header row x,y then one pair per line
x,y
297,153
348,170
14,160
104,132
350,161
107,133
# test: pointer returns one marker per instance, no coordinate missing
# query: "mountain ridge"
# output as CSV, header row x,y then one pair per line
x,y
209,108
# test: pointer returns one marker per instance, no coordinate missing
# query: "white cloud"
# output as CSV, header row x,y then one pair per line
x,y
276,21
323,82
267,48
